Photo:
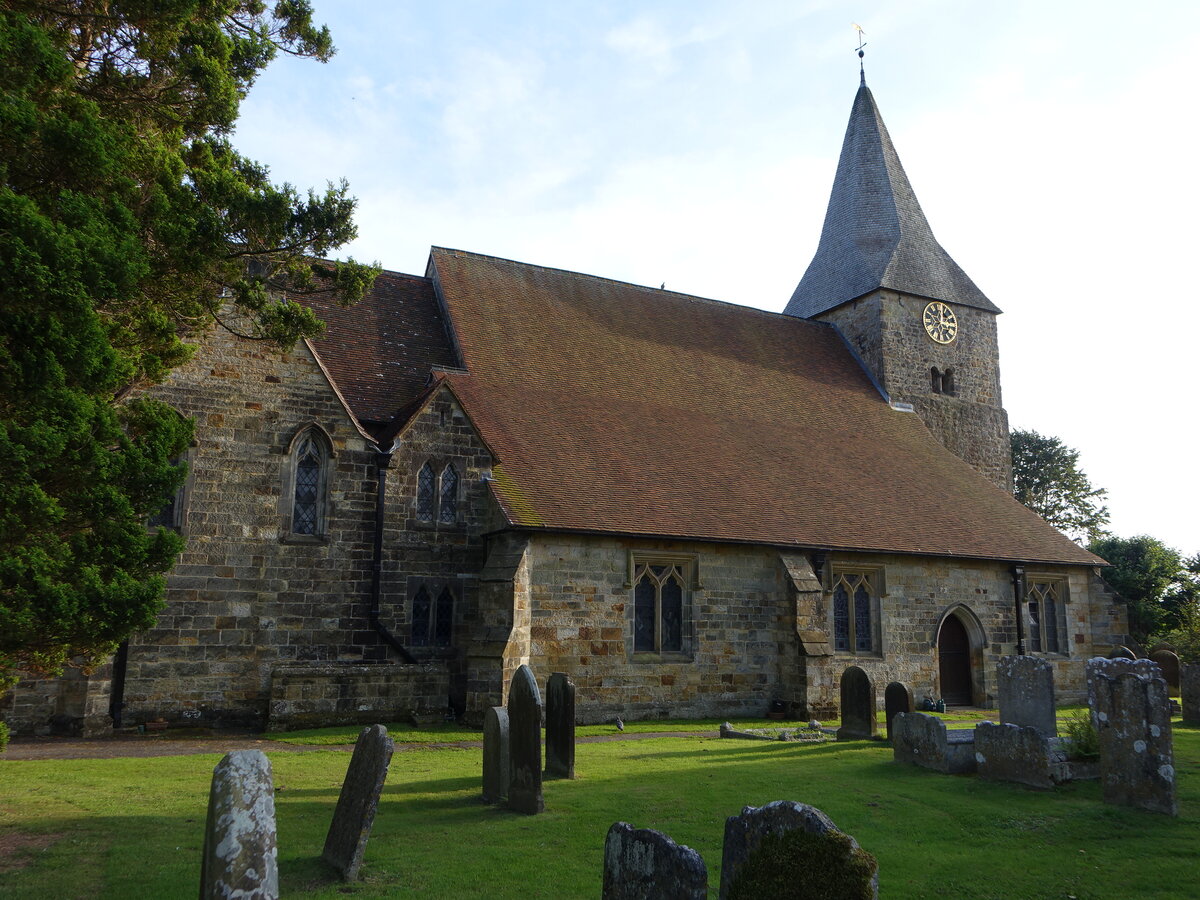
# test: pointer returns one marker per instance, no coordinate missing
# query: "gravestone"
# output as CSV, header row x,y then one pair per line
x,y
560,727
780,844
1189,693
1133,723
354,815
496,771
923,740
1025,693
1112,667
1122,653
858,706
525,743
1168,662
640,863
1021,754
240,850
897,698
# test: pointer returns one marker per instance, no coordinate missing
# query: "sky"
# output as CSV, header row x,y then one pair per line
x,y
1052,145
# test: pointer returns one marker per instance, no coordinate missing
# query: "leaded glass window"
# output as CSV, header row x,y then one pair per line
x,y
309,487
658,608
1043,600
448,512
444,620
426,494
432,622
854,612
422,617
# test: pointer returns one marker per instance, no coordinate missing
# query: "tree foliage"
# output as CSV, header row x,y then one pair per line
x,y
1159,586
1047,479
128,225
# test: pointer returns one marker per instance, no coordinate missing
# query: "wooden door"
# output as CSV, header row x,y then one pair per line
x,y
954,662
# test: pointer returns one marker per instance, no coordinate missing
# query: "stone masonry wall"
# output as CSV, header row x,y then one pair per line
x,y
310,696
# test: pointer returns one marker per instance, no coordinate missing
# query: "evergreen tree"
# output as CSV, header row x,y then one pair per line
x,y
1047,479
1152,578
128,226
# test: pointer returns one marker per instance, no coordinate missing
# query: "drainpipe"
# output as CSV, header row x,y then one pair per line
x,y
382,461
1018,578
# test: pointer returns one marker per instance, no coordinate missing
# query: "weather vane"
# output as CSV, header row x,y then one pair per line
x,y
861,43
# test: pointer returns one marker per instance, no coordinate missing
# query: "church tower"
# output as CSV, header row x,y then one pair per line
x,y
919,323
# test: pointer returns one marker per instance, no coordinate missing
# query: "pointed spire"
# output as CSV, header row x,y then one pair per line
x,y
875,234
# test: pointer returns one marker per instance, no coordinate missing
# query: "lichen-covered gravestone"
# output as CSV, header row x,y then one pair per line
x,y
240,850
1025,693
1020,754
858,706
897,698
354,815
1189,693
560,727
525,743
923,740
641,864
788,849
495,755
1112,667
1133,723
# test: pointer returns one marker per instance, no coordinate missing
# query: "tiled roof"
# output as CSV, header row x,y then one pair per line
x,y
380,351
875,234
624,409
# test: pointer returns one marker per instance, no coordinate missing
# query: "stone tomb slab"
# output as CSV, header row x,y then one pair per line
x,y
525,743
346,841
923,740
858,706
897,698
496,771
1019,754
1025,693
641,863
560,727
746,873
240,856
1133,721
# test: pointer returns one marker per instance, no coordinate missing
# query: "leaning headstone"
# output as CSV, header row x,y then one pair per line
x,y
525,743
1137,761
641,863
354,815
897,698
1021,754
495,755
923,740
1168,662
858,706
1189,693
560,727
789,849
1025,693
240,850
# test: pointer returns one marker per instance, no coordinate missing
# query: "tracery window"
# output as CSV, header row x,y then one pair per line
x,y
854,611
426,493
432,623
310,472
1043,600
659,593
437,495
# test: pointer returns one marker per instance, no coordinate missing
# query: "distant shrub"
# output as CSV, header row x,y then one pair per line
x,y
1081,738
3,737
799,864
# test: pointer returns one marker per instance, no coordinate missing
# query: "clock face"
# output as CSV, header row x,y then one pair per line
x,y
940,323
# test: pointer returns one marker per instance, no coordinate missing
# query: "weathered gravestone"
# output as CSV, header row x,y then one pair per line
x,y
1168,662
643,864
240,850
858,706
1112,667
1189,693
897,698
496,772
789,849
1133,722
1122,653
354,815
1020,754
525,743
1025,693
560,727
923,740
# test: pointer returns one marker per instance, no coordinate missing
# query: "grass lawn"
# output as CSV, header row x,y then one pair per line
x,y
133,827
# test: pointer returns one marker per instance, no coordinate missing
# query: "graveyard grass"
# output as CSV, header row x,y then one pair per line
x,y
133,827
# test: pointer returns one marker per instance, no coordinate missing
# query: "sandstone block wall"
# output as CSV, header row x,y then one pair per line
x,y
311,696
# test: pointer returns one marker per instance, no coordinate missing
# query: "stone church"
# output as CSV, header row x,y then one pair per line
x,y
692,508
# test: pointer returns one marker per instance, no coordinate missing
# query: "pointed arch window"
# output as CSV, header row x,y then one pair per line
x,y
426,493
855,610
1043,600
309,484
432,622
658,607
448,506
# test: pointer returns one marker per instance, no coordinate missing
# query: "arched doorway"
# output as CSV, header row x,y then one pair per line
x,y
954,662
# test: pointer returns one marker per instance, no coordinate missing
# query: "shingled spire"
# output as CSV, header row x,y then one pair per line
x,y
875,234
